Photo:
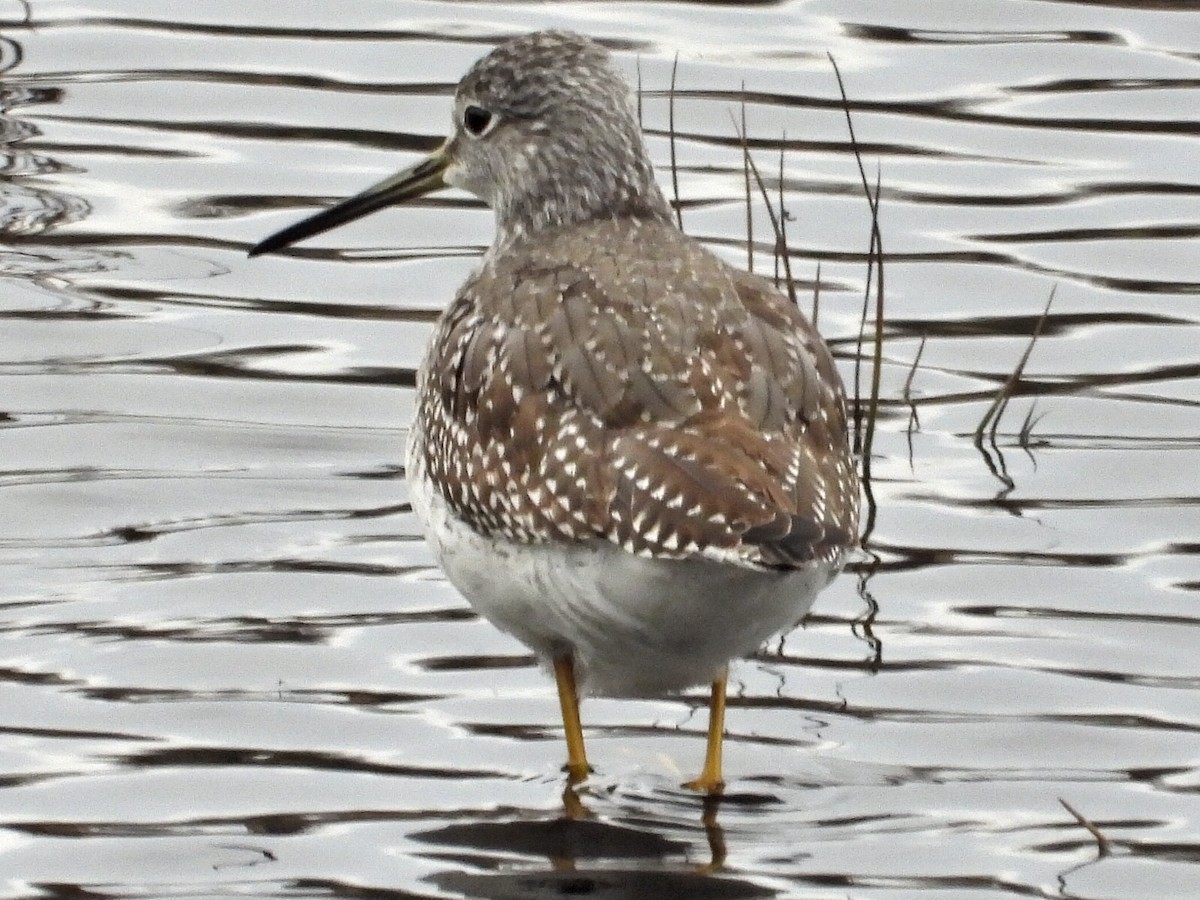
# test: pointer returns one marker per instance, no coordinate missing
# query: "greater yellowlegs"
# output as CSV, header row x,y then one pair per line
x,y
627,453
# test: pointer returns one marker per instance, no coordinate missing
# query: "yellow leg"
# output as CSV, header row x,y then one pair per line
x,y
710,777
564,676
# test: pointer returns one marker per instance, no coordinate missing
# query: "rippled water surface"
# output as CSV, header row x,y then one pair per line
x,y
229,665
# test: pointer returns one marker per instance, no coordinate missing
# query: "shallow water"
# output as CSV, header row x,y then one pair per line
x,y
230,666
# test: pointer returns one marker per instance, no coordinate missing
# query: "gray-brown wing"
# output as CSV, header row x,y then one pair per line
x,y
674,406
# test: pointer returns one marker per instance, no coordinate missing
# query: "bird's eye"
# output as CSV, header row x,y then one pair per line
x,y
477,120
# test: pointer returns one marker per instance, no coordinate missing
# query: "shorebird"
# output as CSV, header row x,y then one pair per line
x,y
627,453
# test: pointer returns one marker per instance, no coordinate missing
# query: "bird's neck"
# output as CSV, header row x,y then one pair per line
x,y
590,194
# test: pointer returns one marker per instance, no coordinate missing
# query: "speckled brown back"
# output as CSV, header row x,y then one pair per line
x,y
616,380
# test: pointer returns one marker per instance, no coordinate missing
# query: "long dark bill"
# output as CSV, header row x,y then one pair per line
x,y
420,179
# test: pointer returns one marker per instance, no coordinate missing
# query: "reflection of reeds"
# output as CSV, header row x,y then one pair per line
x,y
864,432
865,414
782,245
914,420
864,418
991,418
749,191
671,132
865,624
1023,437
1103,844
990,422
782,252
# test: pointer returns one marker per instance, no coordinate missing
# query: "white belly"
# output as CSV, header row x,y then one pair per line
x,y
635,626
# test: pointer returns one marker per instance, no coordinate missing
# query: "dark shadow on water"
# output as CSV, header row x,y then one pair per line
x,y
559,839
609,884
580,856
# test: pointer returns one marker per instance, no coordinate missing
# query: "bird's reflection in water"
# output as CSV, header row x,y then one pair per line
x,y
584,856
714,832
575,810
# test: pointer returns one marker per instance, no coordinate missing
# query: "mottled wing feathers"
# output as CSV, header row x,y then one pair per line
x,y
666,402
